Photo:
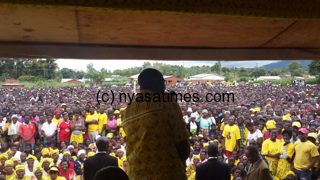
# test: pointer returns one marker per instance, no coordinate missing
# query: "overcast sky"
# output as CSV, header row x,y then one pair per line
x,y
78,64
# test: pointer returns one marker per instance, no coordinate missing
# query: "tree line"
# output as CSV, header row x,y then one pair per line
x,y
46,69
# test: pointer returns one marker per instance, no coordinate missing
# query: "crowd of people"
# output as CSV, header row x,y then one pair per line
x,y
48,133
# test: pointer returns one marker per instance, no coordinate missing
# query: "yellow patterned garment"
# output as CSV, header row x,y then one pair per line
x,y
152,129
24,178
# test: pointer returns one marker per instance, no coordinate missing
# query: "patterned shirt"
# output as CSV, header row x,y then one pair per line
x,y
242,134
152,129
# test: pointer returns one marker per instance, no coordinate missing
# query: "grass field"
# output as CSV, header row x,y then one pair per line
x,y
288,81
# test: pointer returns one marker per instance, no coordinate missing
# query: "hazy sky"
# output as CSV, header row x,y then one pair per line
x,y
123,64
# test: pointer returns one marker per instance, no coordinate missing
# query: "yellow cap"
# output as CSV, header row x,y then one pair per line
x,y
205,144
271,124
314,135
110,135
116,112
55,169
286,117
91,154
121,109
196,156
297,124
20,167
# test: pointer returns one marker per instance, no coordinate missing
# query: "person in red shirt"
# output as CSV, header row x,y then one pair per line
x,y
67,172
64,129
27,131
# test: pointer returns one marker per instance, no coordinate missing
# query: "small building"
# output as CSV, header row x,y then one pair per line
x,y
172,80
12,85
115,76
73,81
12,81
268,78
204,78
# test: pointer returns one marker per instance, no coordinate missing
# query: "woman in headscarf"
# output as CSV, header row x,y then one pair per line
x,y
80,161
54,174
67,156
8,167
55,157
21,175
57,117
66,171
13,130
38,174
205,122
192,167
291,176
45,165
271,124
286,150
3,158
30,165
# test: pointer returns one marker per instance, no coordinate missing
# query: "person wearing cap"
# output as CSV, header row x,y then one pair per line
x,y
92,121
54,174
153,124
20,174
13,129
295,128
306,155
192,126
38,174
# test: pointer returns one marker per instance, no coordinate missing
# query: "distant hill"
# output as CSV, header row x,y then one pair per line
x,y
283,64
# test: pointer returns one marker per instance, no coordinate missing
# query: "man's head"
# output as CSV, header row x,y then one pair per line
x,y
102,144
212,150
151,79
252,153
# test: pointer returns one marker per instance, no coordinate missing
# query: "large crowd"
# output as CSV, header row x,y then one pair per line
x,y
48,133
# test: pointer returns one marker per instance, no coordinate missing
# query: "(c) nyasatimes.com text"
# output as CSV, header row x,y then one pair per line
x,y
164,97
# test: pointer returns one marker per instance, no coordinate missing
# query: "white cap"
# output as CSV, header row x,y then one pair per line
x,y
189,110
193,115
97,136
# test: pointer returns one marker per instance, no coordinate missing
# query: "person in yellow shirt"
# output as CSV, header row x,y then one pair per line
x,y
119,125
20,171
286,151
102,118
8,167
153,124
270,149
231,137
54,174
93,124
57,117
306,155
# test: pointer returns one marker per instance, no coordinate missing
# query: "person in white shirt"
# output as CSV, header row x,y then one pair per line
x,y
48,130
14,152
190,158
192,124
13,129
253,134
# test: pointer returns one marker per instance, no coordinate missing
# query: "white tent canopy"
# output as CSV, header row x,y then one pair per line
x,y
211,77
268,78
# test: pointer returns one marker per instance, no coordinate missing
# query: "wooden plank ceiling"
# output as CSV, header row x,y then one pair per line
x,y
33,32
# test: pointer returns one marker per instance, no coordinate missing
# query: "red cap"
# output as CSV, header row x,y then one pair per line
x,y
303,130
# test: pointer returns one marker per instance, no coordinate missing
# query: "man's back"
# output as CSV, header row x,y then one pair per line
x,y
152,129
93,164
259,171
213,169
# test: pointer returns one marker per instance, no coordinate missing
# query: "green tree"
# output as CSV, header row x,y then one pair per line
x,y
275,72
294,66
257,72
243,72
216,67
297,72
225,70
94,75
